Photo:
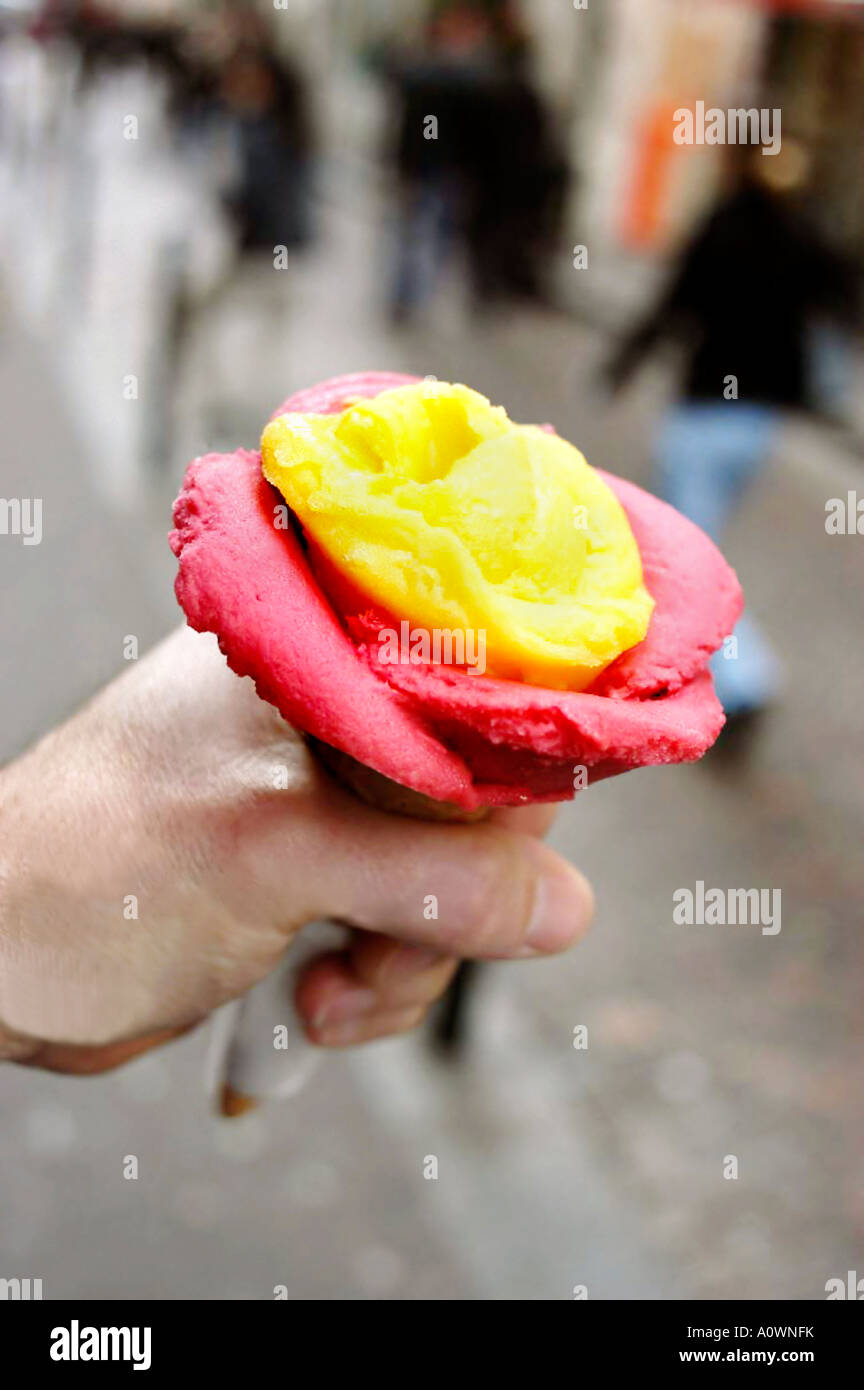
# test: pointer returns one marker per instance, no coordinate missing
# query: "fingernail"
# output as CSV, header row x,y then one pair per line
x,y
563,903
353,1030
349,1003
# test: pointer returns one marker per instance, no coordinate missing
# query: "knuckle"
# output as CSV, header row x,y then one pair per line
x,y
496,910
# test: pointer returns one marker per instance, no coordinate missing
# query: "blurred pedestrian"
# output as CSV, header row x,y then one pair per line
x,y
264,101
475,159
745,305
436,96
518,178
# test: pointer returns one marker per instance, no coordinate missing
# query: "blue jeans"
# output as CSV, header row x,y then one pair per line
x,y
425,231
706,455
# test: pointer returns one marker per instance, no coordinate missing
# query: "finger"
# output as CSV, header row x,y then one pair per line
x,y
331,991
367,1027
400,974
464,890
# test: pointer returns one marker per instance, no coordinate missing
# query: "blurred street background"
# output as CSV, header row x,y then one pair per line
x,y
204,207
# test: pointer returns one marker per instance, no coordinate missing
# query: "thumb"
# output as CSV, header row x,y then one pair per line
x,y
464,890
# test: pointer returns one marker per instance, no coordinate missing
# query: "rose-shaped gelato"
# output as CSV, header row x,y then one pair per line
x,y
600,604
442,511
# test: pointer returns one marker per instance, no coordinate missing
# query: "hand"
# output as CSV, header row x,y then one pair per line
x,y
160,850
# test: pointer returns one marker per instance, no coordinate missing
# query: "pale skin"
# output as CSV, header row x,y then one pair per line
x,y
165,797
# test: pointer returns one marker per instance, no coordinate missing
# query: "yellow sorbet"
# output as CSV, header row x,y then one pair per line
x,y
447,514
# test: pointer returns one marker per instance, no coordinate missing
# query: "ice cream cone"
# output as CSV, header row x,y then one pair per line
x,y
383,793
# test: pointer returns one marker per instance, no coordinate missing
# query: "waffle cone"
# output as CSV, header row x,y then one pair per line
x,y
383,793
